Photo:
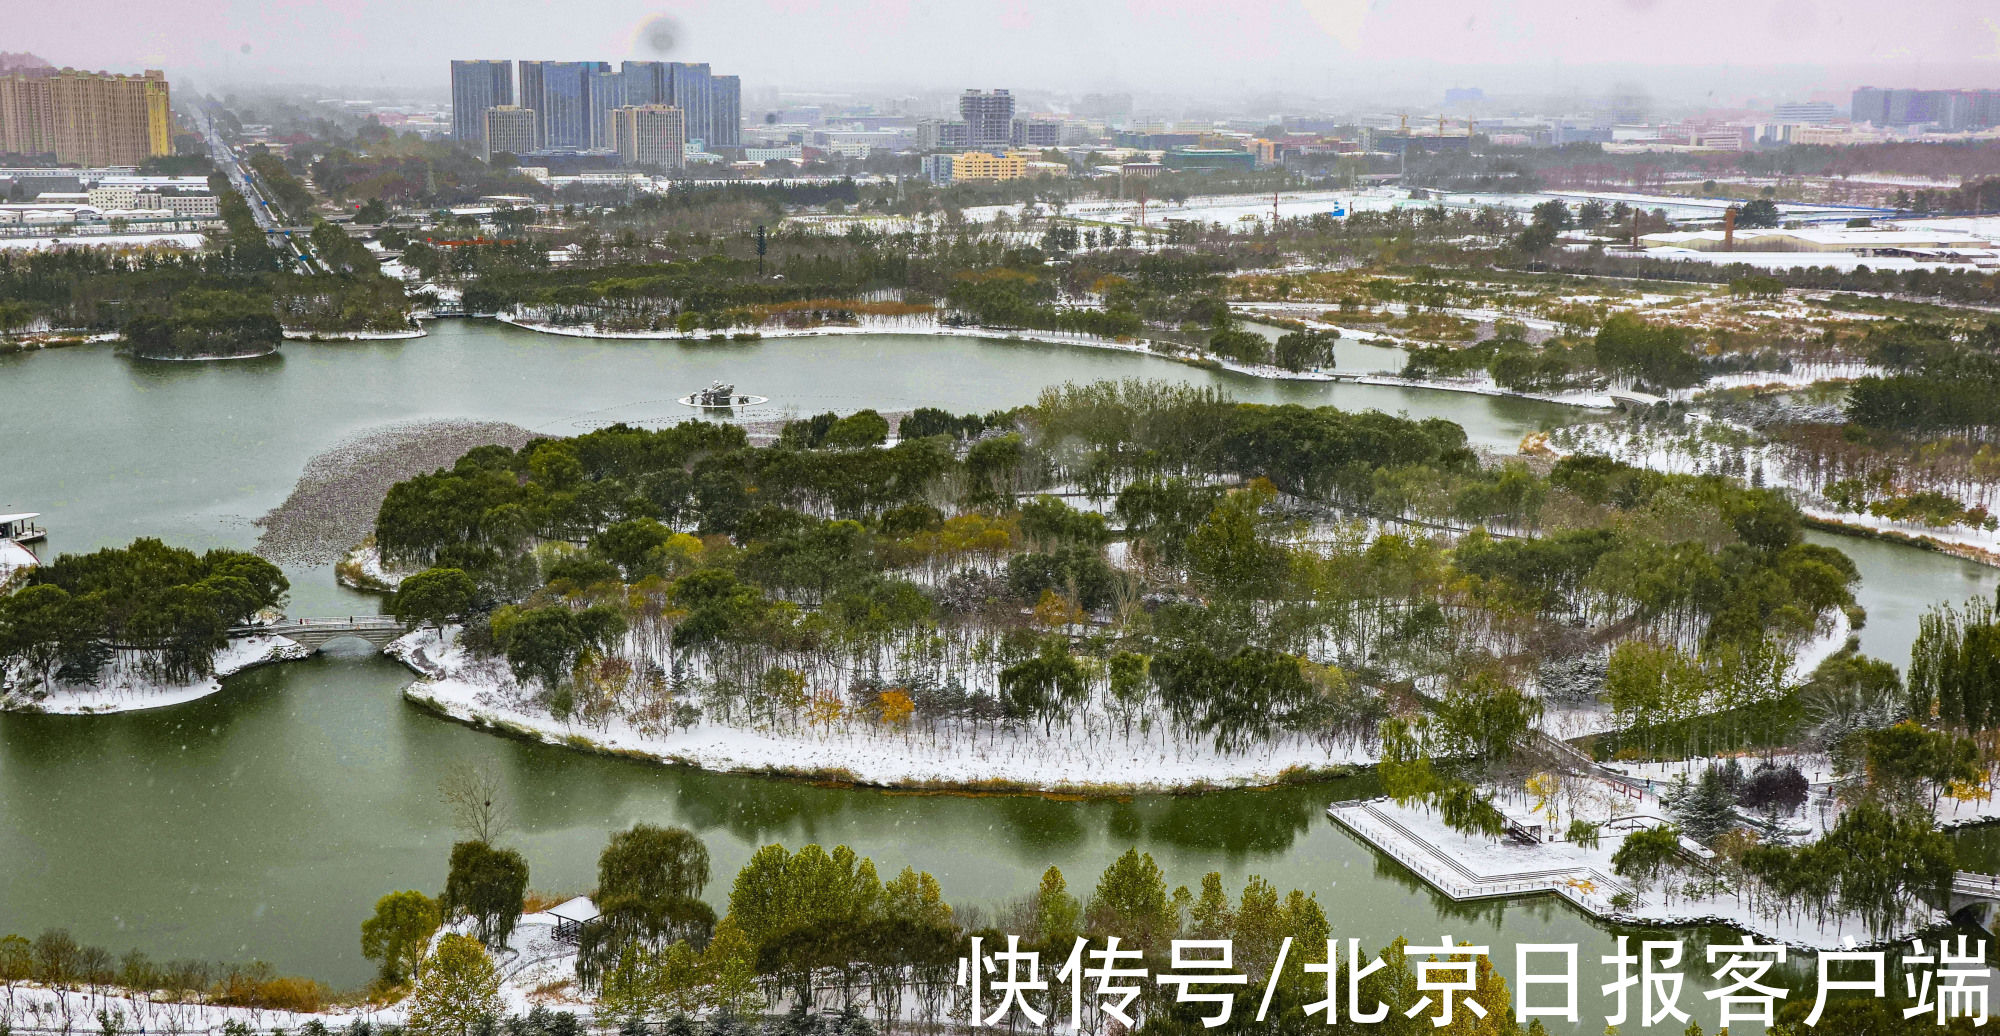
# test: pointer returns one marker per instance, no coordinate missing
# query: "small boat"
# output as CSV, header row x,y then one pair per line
x,y
719,396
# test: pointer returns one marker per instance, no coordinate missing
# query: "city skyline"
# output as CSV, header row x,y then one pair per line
x,y
1312,47
575,105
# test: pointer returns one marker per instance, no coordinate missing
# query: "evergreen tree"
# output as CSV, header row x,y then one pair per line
x,y
1708,809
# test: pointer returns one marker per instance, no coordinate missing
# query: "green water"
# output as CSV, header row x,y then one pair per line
x,y
264,821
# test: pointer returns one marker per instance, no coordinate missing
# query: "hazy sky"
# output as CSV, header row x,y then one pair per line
x,y
1720,49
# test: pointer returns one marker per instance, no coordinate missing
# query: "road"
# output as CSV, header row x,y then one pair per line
x,y
297,248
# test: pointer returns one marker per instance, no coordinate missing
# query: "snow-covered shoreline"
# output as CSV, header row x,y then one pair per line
x,y
1470,867
1667,453
483,694
932,329
353,336
126,691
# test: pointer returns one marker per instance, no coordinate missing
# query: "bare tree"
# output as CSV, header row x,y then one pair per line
x,y
474,795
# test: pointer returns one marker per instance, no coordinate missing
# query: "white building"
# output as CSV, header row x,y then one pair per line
x,y
651,135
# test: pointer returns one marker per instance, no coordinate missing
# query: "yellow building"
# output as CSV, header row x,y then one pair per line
x,y
85,118
981,165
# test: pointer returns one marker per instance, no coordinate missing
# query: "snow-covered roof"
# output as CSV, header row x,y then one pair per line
x,y
6,519
13,556
580,909
1834,237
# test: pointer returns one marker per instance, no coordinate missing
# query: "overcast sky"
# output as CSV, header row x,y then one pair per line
x,y
1720,50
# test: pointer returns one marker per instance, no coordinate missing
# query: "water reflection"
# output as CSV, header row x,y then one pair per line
x,y
264,821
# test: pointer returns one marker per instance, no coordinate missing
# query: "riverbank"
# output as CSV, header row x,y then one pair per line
x,y
336,497
992,758
1472,867
1690,451
125,689
353,336
932,328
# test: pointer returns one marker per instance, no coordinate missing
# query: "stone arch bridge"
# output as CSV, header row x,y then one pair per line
x,y
314,634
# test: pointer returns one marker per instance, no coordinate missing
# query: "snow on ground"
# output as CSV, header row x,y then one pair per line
x,y
532,966
484,693
930,326
1662,451
27,1008
124,689
1843,261
105,241
1573,719
366,559
1979,226
353,336
1475,866
1227,209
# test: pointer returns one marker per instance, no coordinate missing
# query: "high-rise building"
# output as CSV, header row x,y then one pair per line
x,y
559,93
1808,112
574,101
986,165
1950,110
85,118
651,135
475,87
645,82
510,129
607,95
726,121
988,116
1037,133
691,88
933,134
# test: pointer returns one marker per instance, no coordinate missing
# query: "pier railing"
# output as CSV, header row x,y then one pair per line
x,y
1456,880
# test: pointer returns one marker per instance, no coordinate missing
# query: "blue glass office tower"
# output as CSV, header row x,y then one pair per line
x,y
607,95
726,121
559,92
475,87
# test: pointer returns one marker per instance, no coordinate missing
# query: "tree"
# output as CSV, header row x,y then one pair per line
x,y
730,967
1131,901
1228,554
1908,766
1647,854
488,886
914,897
1536,239
1759,213
434,596
1554,214
458,990
1780,789
630,542
475,795
1058,915
1655,353
398,934
42,626
649,883
857,430
1298,350
1045,685
1706,810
